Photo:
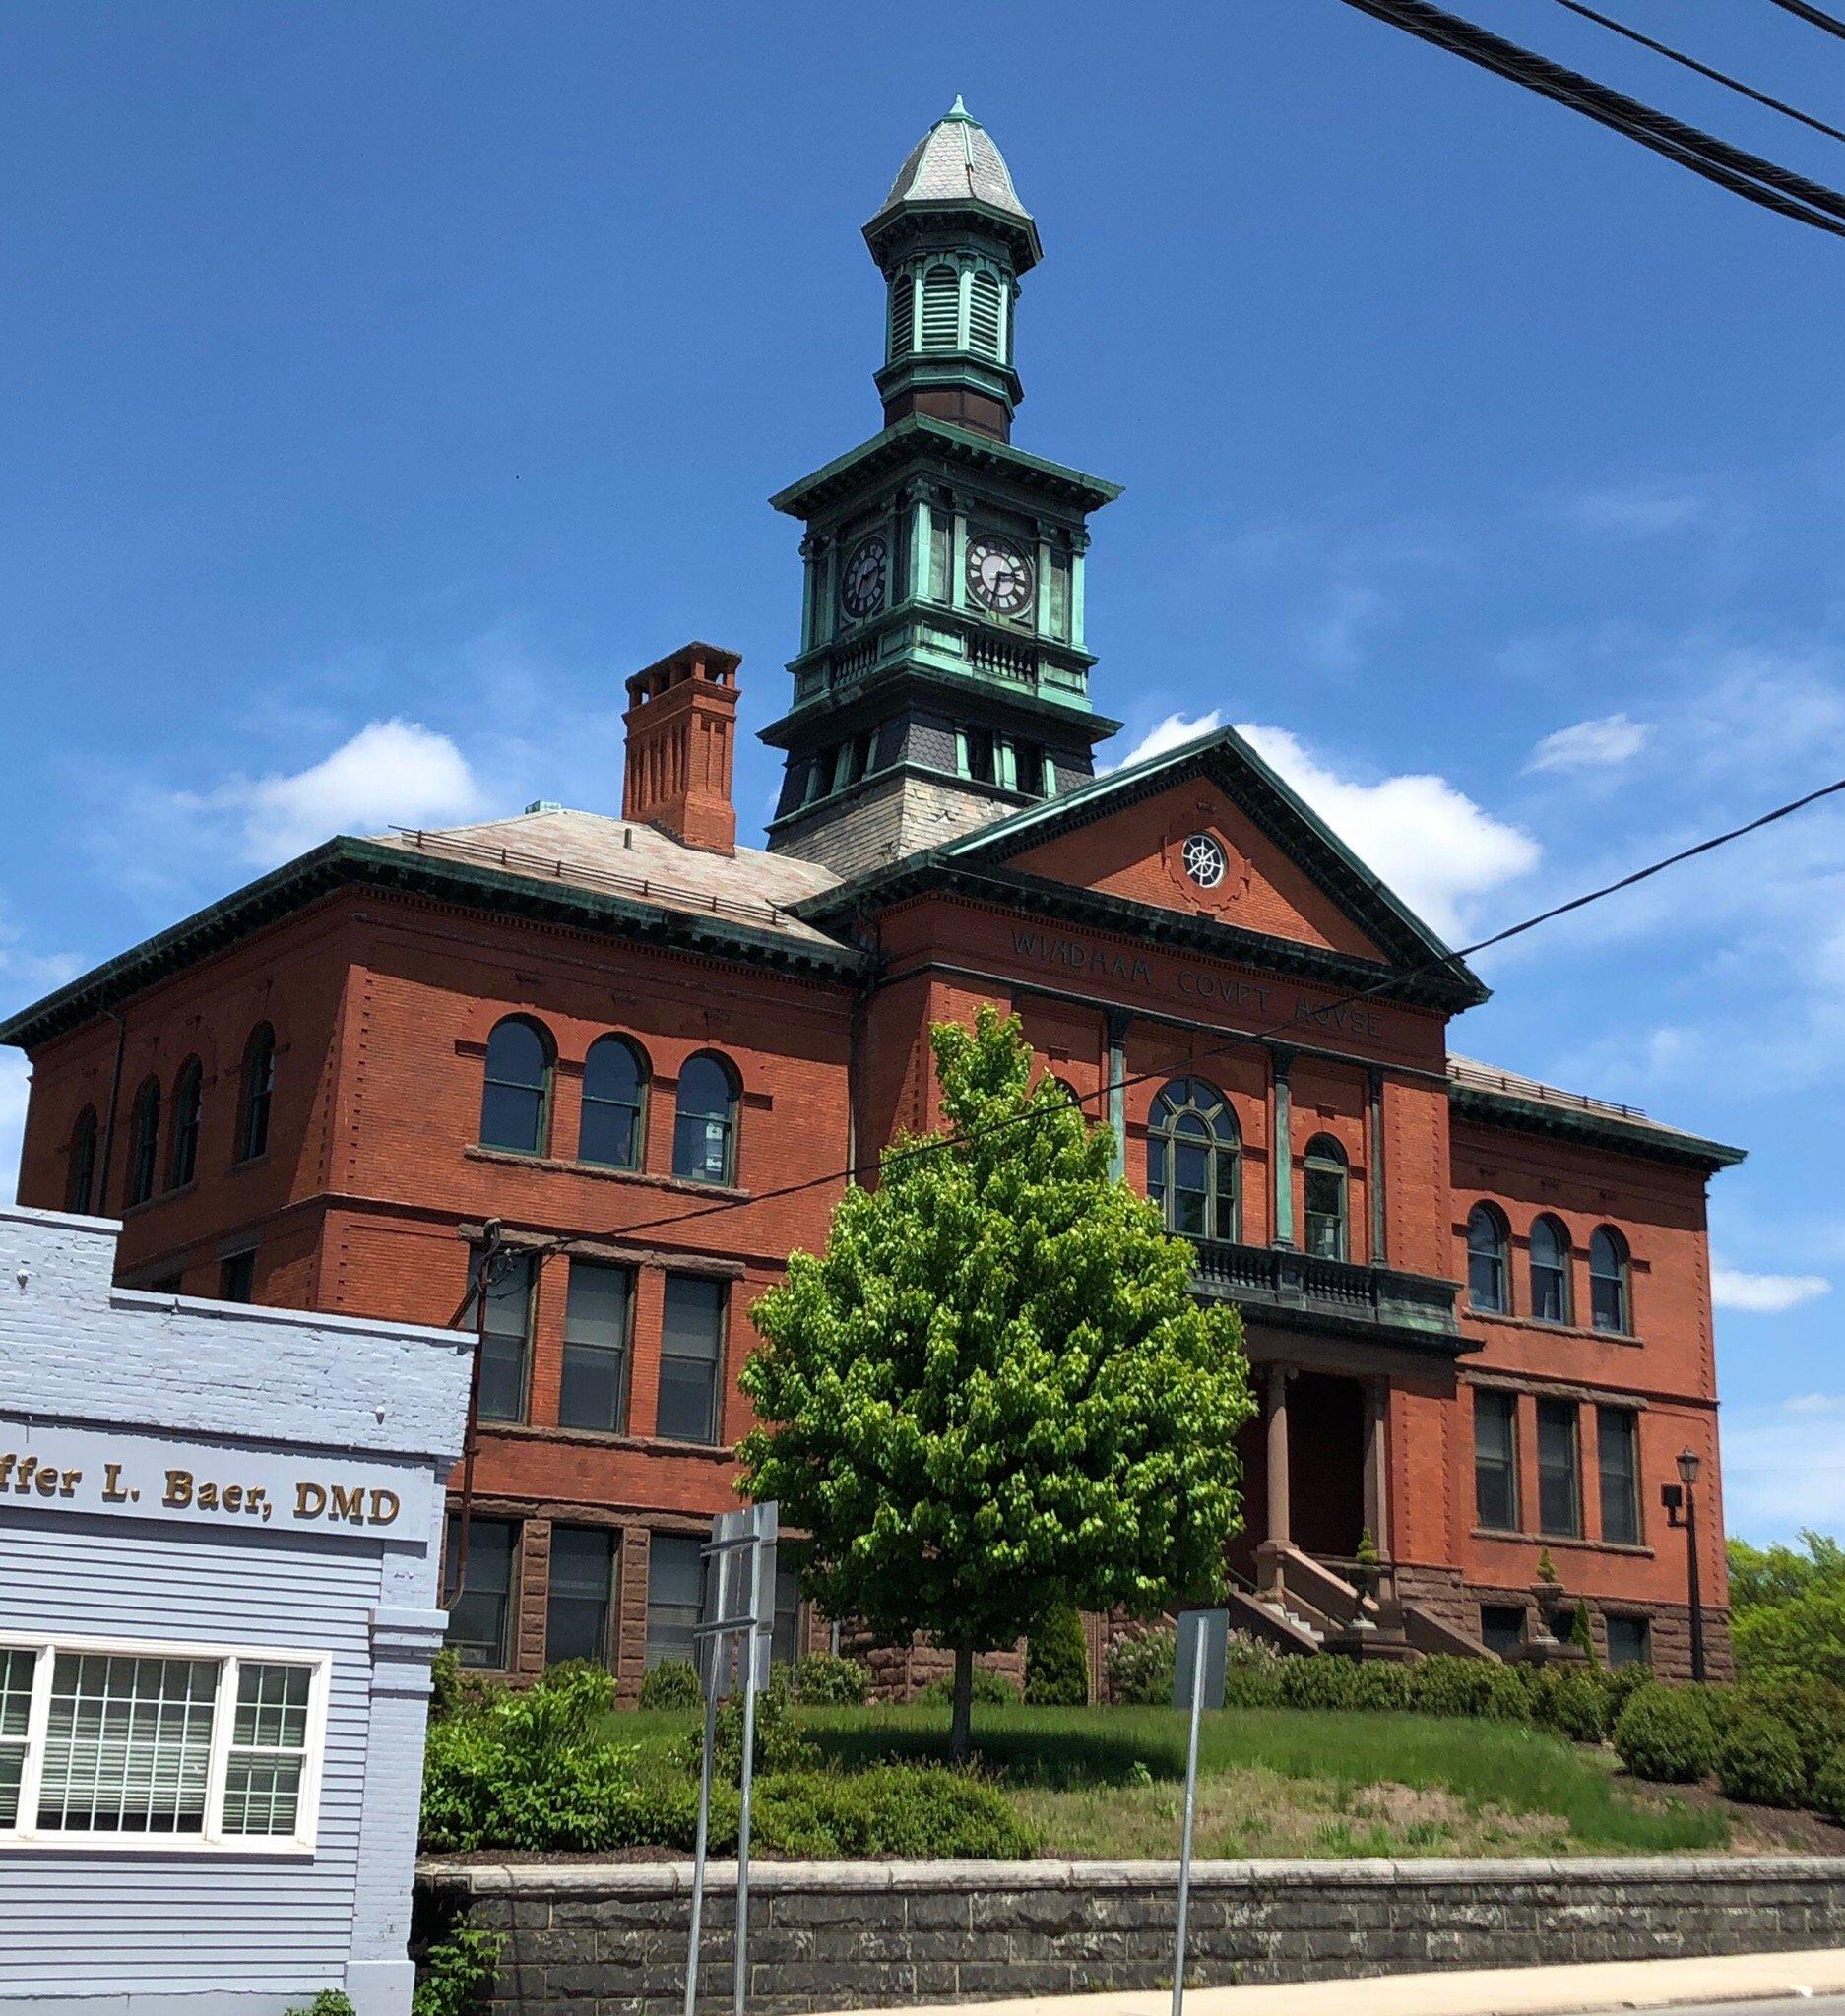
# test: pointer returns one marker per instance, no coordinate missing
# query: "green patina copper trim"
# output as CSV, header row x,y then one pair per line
x,y
916,432
1584,1124
346,863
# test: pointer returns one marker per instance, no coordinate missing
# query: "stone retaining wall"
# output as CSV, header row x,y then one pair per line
x,y
604,1941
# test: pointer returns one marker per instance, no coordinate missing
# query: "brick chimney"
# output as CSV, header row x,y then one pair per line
x,y
681,718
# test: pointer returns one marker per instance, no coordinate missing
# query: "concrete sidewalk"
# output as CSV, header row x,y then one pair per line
x,y
1500,1992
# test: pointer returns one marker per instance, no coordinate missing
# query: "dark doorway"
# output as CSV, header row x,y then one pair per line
x,y
1326,1464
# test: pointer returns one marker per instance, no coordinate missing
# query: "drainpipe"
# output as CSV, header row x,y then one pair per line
x,y
109,1127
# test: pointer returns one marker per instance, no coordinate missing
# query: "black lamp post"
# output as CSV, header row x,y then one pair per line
x,y
1678,1499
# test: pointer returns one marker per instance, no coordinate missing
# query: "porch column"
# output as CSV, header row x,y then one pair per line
x,y
1377,1463
1281,1147
1374,1157
1280,1528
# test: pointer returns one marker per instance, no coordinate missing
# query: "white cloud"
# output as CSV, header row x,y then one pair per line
x,y
1426,841
390,773
1639,511
1781,1469
1599,744
1171,733
1764,1295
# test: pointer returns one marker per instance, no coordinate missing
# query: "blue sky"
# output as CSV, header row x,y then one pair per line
x,y
385,383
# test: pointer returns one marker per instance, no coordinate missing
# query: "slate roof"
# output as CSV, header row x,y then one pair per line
x,y
1507,1098
955,160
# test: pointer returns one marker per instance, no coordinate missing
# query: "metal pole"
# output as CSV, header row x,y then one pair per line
x,y
1184,1847
699,1850
1697,1608
741,1981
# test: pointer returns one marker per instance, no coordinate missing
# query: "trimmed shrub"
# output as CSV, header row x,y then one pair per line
x,y
1141,1668
1620,1684
1056,1661
988,1686
1442,1684
672,1683
823,1679
1571,1704
780,1745
1663,1734
1582,1634
1252,1672
919,1811
1829,1784
1810,1709
1758,1760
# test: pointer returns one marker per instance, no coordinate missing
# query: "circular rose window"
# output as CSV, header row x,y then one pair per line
x,y
1204,861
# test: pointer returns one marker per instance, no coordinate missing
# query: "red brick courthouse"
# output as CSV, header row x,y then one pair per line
x,y
1478,1309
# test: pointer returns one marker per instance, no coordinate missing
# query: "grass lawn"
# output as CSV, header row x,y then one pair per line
x,y
1108,1782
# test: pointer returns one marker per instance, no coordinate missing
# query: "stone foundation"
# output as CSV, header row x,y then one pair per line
x,y
611,1940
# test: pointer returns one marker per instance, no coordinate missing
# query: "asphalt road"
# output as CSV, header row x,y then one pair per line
x,y
1797,2005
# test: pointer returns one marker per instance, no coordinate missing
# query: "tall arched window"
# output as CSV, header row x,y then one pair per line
x,y
941,308
983,314
1193,1152
1610,1296
1550,1271
1324,1194
144,1142
614,1097
80,1173
1486,1260
516,1097
704,1127
255,1093
901,315
183,1154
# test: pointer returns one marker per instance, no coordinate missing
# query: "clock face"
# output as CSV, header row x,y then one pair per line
x,y
999,576
861,585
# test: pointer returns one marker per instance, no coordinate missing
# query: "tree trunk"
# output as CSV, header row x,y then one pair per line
x,y
961,1726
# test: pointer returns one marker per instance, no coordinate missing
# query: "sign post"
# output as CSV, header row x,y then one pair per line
x,y
1197,1683
731,1643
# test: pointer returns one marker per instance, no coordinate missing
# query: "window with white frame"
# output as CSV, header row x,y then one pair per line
x,y
159,1745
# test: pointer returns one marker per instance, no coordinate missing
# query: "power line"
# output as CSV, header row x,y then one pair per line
x,y
1735,168
1673,55
1818,15
541,1250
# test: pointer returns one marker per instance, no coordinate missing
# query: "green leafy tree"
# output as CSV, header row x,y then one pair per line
x,y
995,1394
1788,1610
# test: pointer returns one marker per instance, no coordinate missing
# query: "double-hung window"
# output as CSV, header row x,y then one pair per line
x,y
1559,1486
1495,1459
691,1350
506,1344
595,1389
1618,1448
159,1745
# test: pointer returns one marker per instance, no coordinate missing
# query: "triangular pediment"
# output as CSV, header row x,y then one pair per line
x,y
1209,832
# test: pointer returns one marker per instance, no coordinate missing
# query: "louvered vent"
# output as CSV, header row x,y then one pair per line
x,y
901,315
941,305
983,315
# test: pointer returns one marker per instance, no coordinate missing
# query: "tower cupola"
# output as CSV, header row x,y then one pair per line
x,y
952,239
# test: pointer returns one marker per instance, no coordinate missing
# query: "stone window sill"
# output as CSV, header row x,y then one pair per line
x,y
1638,1552
683,1186
1543,1329
640,1445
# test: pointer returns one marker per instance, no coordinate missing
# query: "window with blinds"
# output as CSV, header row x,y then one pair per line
x,y
941,308
156,1745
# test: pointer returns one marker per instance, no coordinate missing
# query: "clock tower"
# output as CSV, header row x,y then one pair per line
x,y
942,678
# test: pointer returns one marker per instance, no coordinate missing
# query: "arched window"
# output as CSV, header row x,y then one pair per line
x,y
1486,1260
941,308
983,314
516,1097
615,1096
704,1128
1324,1191
901,315
1193,1151
80,1173
1610,1297
144,1142
255,1093
183,1154
1550,1271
